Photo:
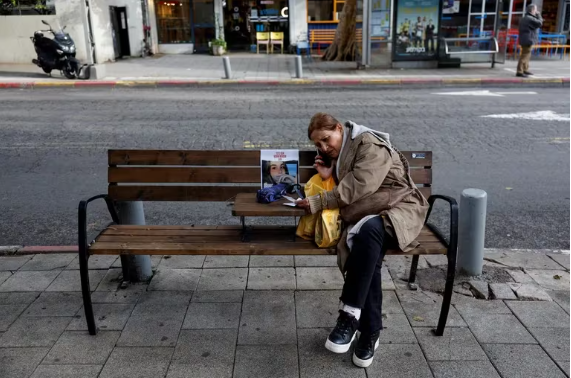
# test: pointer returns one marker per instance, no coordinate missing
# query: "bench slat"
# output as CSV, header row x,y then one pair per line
x,y
189,193
242,175
237,158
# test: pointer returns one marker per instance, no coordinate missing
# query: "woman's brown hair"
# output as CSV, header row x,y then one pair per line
x,y
321,121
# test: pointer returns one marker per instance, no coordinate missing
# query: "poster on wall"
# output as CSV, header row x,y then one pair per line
x,y
380,18
416,33
450,6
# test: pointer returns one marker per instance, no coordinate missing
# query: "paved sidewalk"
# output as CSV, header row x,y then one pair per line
x,y
269,316
279,69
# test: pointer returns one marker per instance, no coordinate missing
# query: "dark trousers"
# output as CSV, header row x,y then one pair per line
x,y
362,288
429,40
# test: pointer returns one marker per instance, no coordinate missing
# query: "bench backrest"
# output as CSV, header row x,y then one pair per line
x,y
173,175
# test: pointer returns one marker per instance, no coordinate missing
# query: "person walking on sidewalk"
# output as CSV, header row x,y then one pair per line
x,y
381,208
529,27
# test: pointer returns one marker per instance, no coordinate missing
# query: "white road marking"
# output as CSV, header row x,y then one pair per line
x,y
542,115
484,93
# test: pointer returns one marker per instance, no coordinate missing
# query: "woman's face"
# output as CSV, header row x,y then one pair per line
x,y
329,141
277,168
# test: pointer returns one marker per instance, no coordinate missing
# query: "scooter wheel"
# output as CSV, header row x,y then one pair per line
x,y
68,73
47,70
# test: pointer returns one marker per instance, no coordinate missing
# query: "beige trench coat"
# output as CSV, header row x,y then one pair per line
x,y
374,180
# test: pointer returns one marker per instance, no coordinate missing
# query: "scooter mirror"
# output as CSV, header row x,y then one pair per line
x,y
46,23
65,26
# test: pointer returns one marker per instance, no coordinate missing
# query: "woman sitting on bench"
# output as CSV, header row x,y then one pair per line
x,y
381,208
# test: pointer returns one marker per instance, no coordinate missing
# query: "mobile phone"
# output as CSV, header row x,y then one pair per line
x,y
325,158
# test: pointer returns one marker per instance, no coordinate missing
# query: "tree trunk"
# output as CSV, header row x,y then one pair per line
x,y
343,46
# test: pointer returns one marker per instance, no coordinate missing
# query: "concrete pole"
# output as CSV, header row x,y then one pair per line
x,y
136,268
227,68
298,67
472,231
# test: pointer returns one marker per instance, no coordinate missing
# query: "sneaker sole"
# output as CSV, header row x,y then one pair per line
x,y
338,348
364,363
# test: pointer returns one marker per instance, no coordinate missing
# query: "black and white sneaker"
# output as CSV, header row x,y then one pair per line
x,y
339,340
365,349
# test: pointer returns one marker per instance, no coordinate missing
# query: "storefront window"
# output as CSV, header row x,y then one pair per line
x,y
173,21
27,7
320,10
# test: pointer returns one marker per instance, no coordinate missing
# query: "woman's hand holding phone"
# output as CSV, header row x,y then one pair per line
x,y
324,171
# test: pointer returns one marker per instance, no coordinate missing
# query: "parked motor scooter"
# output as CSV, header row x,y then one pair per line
x,y
57,53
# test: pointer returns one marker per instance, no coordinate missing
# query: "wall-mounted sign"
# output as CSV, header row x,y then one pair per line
x,y
285,12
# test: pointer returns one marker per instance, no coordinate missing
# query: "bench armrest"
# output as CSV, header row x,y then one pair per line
x,y
452,242
82,218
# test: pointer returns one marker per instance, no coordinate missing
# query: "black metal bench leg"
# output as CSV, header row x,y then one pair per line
x,y
413,267
447,299
86,291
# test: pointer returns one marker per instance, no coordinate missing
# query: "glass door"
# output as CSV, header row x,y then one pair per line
x,y
482,18
203,25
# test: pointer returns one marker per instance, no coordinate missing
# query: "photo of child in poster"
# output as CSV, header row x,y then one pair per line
x,y
417,28
278,166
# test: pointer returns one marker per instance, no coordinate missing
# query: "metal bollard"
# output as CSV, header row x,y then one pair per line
x,y
136,268
227,68
298,67
472,231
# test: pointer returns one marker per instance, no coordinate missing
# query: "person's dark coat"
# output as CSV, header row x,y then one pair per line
x,y
529,27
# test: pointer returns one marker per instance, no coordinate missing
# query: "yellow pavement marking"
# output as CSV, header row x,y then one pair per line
x,y
54,84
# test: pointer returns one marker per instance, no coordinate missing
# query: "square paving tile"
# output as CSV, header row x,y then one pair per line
x,y
271,279
4,276
49,261
386,280
182,262
34,332
399,360
564,365
223,279
111,281
29,281
67,371
212,315
550,279
156,303
391,304
20,362
522,361
219,296
396,330
268,317
561,258
555,342
317,308
427,314
55,304
561,298
464,369
13,262
137,362
520,277
205,353
226,262
126,296
456,344
323,261
474,306
499,328
266,362
108,317
95,262
175,279
9,313
257,261
319,279
82,348
317,362
18,298
146,331
70,280
540,314
522,260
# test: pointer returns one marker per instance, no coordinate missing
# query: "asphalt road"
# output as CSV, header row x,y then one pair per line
x,y
53,147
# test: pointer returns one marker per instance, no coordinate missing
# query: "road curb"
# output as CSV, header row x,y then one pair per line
x,y
381,82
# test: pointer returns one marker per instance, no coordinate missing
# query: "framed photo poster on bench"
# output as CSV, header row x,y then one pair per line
x,y
277,163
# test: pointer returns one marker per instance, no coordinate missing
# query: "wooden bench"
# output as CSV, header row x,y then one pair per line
x,y
326,36
153,175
